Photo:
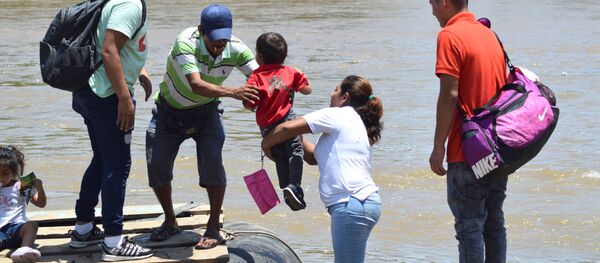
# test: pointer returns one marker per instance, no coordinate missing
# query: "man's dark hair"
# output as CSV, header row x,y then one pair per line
x,y
460,4
272,47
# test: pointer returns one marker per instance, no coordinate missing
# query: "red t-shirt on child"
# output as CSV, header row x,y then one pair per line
x,y
277,84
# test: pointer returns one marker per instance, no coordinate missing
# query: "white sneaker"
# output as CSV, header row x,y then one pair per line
x,y
26,254
128,250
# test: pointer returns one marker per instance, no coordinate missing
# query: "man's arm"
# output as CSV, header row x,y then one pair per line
x,y
446,108
203,88
113,42
145,82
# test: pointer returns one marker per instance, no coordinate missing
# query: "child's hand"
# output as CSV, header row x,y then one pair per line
x,y
39,199
249,105
305,90
38,184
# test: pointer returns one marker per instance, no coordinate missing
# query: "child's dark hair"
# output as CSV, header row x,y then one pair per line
x,y
365,104
272,47
13,158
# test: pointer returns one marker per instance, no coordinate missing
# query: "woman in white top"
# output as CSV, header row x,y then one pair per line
x,y
348,128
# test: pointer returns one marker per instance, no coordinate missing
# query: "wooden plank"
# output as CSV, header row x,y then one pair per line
x,y
60,246
178,248
52,241
131,227
181,254
147,211
67,217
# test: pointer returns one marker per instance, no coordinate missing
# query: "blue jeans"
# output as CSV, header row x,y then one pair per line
x,y
478,216
351,224
111,161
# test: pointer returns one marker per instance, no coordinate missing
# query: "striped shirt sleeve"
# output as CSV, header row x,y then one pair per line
x,y
183,54
247,63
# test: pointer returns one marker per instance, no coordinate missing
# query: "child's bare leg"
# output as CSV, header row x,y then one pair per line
x,y
28,233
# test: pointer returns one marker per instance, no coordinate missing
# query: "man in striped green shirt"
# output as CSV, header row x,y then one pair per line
x,y
189,106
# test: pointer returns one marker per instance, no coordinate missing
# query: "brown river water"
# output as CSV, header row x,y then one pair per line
x,y
552,208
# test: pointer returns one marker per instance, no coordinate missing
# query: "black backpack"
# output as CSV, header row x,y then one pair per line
x,y
68,54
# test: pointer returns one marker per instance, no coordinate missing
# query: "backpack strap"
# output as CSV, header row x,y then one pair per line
x,y
143,19
95,26
99,62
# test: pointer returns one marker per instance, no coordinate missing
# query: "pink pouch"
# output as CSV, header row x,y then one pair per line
x,y
262,190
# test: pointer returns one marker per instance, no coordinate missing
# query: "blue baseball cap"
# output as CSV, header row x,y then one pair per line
x,y
216,22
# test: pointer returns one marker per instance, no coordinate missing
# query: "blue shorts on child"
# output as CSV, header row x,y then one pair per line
x,y
9,235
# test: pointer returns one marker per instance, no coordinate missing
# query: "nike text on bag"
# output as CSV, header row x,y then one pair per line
x,y
68,55
511,128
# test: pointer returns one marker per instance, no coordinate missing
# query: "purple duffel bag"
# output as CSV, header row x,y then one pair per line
x,y
511,128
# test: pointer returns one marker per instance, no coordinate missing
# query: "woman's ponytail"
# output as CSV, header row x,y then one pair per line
x,y
367,105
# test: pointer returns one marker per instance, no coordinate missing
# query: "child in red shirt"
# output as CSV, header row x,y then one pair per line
x,y
277,84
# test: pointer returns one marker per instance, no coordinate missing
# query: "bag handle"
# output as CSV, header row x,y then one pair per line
x,y
516,87
262,159
513,86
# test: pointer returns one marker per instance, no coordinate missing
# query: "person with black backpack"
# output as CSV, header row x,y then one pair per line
x,y
107,106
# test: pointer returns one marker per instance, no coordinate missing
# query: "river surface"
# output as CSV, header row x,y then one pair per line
x,y
552,209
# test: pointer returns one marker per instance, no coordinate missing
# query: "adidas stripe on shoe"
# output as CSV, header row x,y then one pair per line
x,y
128,250
95,236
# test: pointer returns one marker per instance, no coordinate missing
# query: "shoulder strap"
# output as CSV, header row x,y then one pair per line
x,y
510,67
99,62
93,43
143,19
506,58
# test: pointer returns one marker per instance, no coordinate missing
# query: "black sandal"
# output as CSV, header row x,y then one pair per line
x,y
218,240
164,232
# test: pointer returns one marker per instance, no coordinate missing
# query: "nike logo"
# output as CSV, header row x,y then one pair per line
x,y
543,115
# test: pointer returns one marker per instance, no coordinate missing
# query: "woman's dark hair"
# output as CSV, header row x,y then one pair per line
x,y
13,158
366,104
272,47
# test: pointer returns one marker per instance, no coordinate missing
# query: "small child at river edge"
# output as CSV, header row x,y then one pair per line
x,y
15,230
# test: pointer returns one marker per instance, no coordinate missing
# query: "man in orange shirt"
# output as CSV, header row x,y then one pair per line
x,y
471,68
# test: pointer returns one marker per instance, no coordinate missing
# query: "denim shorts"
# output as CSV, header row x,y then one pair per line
x,y
9,235
170,127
